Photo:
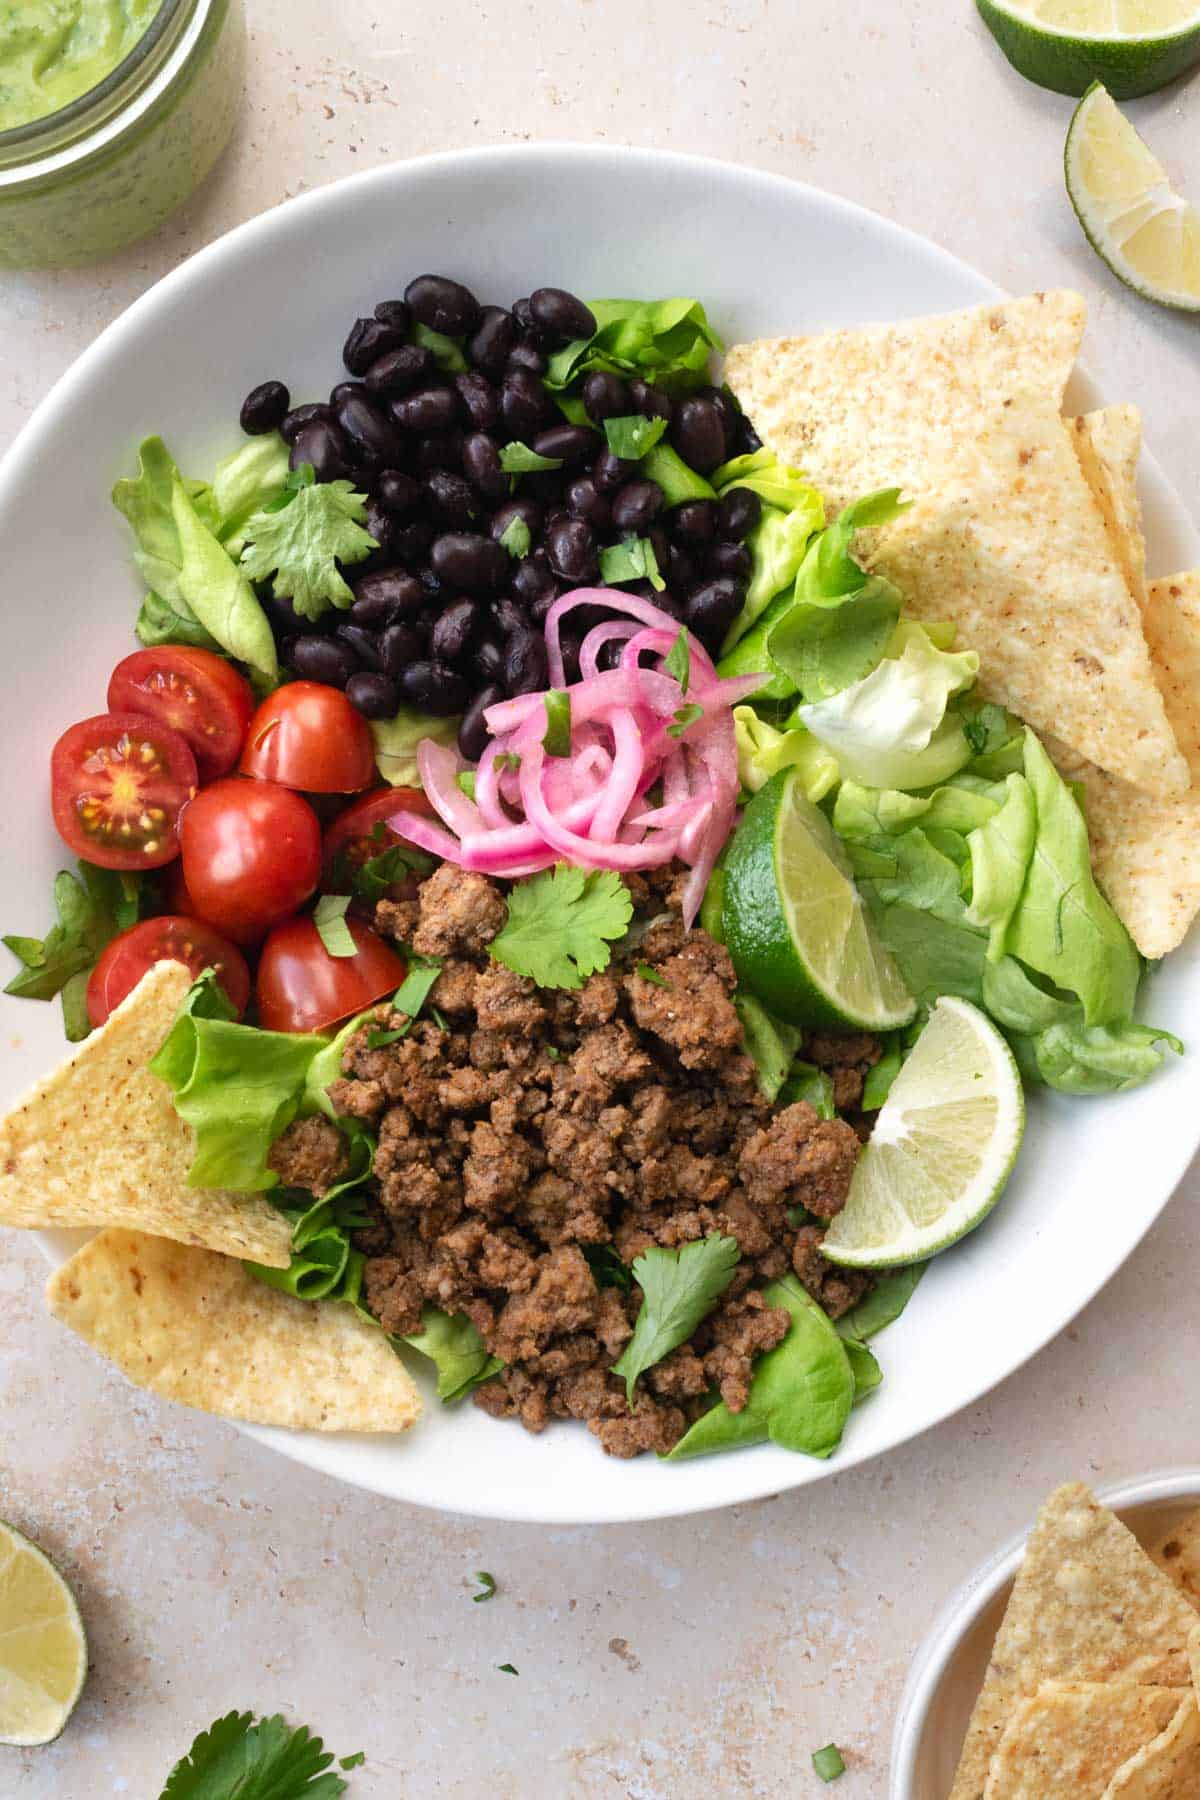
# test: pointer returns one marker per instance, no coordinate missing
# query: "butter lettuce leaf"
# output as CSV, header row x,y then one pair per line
x,y
1097,1059
252,477
453,1345
886,723
1000,853
777,547
216,591
396,742
762,750
667,342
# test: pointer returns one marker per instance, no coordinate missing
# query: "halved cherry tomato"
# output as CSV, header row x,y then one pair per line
x,y
361,832
309,736
170,938
302,988
251,855
194,692
118,784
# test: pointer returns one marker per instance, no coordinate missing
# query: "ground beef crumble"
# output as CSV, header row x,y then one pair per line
x,y
538,1126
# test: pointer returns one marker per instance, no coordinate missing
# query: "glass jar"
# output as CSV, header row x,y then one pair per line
x,y
85,180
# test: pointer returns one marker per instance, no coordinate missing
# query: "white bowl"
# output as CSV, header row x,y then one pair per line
x,y
275,298
948,1669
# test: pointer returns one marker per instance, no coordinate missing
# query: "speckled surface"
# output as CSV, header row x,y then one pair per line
x,y
705,1656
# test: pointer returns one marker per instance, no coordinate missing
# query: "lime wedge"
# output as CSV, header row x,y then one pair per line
x,y
1133,46
795,925
1147,234
942,1149
43,1652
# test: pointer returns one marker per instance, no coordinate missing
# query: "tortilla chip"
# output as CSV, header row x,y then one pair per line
x,y
1177,1553
196,1327
1067,1740
1011,547
1087,1605
1108,445
1168,1767
1172,626
885,405
99,1143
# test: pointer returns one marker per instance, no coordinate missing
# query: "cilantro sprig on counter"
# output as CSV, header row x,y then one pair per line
x,y
236,1759
560,925
679,1289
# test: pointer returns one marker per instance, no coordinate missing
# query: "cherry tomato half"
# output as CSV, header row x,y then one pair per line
x,y
251,855
170,938
302,988
308,736
118,784
194,692
362,832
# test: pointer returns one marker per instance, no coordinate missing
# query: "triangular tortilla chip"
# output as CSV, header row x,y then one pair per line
x,y
1067,1740
1172,625
99,1143
1087,1605
1108,444
198,1328
1168,1767
1177,1553
884,405
1011,547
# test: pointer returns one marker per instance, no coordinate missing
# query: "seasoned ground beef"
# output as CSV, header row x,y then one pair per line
x,y
523,1132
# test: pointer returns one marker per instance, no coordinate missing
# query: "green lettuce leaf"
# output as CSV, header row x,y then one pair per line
x,y
162,621
396,742
460,1355
912,870
863,1366
883,1305
762,751
770,1044
750,655
1019,1003
777,548
92,907
301,544
145,503
218,593
1000,852
806,1082
325,1265
934,956
775,482
1099,1059
243,483
667,342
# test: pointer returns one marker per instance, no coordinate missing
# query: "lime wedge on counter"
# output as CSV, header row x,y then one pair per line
x,y
1133,46
942,1149
795,925
1147,234
43,1652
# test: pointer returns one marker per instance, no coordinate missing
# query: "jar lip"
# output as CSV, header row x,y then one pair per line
x,y
99,101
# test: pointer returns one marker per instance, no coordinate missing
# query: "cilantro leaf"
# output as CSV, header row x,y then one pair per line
x,y
631,436
414,990
827,1763
558,924
678,660
507,1669
329,917
92,908
519,459
557,741
516,537
487,1586
651,975
267,1761
302,544
633,559
607,1268
683,717
353,1762
679,1288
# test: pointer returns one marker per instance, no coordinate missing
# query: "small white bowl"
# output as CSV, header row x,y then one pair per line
x,y
948,1669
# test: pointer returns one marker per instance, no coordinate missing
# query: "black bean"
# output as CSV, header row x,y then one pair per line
x,y
528,327
493,338
433,588
399,371
323,659
609,655
452,633
264,408
478,398
293,423
738,514
373,695
728,413
694,523
481,464
570,647
372,435
434,688
747,440
534,577
394,312
698,433
525,667
585,501
428,409
342,391
680,568
473,734
660,543
571,547
609,471
364,644
561,315
411,542
545,486
667,600
712,607
469,561
286,621
523,404
541,606
488,659
728,559
369,338
398,646
527,357
398,492
605,396
636,505
568,444
322,445
443,305
380,523
440,450
450,498
508,616
520,508
385,595
651,402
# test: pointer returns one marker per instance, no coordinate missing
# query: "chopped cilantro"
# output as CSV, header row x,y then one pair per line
x,y
633,559
439,1019
373,879
560,923
414,990
256,1762
487,1586
329,917
557,741
651,975
554,1053
519,459
516,537
679,1288
353,1762
302,544
465,781
507,1669
683,717
678,660
827,1763
607,1268
507,759
379,1040
631,436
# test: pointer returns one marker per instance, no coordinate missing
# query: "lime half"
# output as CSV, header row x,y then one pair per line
x,y
795,924
43,1652
1147,234
1133,46
942,1149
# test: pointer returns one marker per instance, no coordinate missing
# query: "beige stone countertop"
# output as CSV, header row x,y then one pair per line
x,y
706,1656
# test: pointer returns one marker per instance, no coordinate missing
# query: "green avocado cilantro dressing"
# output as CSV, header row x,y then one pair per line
x,y
53,51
